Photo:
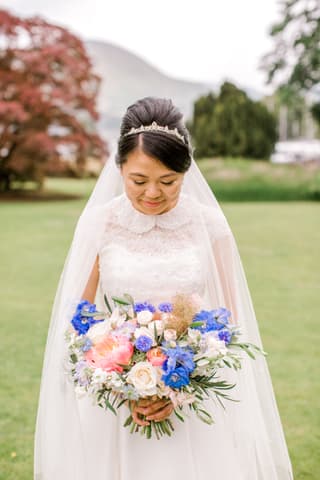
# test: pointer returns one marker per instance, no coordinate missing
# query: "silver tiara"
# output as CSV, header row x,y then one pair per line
x,y
154,127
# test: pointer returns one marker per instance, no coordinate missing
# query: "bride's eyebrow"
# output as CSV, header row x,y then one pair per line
x,y
145,176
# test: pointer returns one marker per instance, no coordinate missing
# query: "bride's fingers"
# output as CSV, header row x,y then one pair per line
x,y
153,407
161,414
137,419
144,402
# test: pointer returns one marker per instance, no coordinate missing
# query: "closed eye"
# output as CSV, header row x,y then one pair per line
x,y
163,183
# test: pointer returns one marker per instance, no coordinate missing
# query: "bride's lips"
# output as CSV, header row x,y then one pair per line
x,y
152,204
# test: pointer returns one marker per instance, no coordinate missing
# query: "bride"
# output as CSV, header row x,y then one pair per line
x,y
152,228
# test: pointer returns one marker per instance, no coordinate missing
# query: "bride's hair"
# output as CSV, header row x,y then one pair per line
x,y
173,152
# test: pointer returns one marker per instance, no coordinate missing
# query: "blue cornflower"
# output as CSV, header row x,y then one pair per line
x,y
212,319
80,322
140,307
203,316
143,343
165,307
87,306
225,335
176,378
178,357
221,314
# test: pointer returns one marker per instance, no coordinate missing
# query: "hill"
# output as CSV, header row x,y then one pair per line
x,y
126,78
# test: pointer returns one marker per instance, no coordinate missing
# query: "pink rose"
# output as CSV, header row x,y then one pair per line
x,y
156,357
110,352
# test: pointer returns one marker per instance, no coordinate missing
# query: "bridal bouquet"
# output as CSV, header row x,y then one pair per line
x,y
173,351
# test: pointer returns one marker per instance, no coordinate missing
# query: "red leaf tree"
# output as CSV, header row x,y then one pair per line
x,y
47,102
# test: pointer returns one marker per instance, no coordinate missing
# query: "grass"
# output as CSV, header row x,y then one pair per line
x,y
238,179
279,247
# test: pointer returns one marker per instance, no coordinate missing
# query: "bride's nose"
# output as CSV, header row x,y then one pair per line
x,y
152,191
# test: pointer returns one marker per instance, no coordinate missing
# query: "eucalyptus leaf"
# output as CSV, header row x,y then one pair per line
x,y
109,406
120,301
106,301
128,421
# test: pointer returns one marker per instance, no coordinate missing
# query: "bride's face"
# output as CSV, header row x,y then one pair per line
x,y
151,187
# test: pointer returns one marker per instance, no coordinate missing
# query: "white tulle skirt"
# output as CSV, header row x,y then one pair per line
x,y
226,450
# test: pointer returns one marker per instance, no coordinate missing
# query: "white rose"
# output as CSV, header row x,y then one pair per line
x,y
144,317
170,334
143,377
98,331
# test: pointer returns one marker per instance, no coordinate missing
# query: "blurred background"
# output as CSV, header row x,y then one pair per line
x,y
246,76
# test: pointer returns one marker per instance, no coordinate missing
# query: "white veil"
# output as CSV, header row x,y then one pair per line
x,y
59,446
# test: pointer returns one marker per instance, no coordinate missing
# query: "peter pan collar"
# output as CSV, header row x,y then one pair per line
x,y
130,218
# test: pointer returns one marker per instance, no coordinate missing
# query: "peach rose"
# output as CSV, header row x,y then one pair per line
x,y
156,357
110,352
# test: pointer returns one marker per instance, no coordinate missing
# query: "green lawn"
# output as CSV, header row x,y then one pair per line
x,y
279,244
238,179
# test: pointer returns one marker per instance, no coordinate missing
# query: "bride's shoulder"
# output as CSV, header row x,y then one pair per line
x,y
106,209
100,214
212,217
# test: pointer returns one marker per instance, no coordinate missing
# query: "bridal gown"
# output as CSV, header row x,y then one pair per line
x,y
153,257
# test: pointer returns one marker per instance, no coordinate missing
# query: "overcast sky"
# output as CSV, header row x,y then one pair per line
x,y
205,40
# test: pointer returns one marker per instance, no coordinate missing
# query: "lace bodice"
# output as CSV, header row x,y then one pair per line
x,y
151,257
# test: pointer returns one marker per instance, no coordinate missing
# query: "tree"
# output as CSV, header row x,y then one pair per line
x,y
201,125
231,124
296,53
47,101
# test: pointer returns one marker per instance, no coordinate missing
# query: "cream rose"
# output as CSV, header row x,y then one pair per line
x,y
144,317
143,377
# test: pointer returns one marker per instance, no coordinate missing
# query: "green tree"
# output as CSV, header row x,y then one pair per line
x,y
296,52
201,125
232,124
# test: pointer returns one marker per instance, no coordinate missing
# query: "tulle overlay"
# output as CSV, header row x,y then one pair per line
x,y
189,249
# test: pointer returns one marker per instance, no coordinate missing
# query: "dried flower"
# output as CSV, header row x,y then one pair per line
x,y
184,309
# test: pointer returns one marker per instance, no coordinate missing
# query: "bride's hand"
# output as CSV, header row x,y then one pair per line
x,y
153,408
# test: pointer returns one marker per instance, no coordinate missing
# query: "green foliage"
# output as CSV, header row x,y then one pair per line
x,y
232,124
296,52
315,111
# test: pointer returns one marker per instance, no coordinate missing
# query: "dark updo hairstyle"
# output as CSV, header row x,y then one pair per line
x,y
173,152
